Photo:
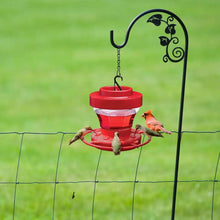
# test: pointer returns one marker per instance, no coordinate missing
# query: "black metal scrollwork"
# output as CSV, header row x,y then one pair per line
x,y
176,54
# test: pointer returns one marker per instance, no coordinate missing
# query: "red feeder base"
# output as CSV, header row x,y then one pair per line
x,y
102,139
127,137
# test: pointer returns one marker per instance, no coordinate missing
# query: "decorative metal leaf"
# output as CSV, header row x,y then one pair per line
x,y
164,41
155,19
170,29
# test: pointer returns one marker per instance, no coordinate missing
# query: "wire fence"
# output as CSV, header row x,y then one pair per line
x,y
95,181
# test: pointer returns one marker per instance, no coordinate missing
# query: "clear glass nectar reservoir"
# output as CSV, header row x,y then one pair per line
x,y
116,119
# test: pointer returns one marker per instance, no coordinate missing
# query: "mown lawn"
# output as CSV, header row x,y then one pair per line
x,y
53,55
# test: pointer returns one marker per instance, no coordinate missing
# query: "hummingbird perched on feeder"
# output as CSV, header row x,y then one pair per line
x,y
153,123
116,144
79,134
148,131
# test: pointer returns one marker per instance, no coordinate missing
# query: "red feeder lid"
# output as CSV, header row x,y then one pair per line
x,y
108,98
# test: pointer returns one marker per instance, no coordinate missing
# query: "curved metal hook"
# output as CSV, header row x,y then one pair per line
x,y
116,83
135,20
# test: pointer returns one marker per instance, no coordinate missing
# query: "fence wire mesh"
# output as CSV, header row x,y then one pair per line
x,y
96,180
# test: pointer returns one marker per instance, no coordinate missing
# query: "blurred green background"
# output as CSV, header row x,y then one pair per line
x,y
53,54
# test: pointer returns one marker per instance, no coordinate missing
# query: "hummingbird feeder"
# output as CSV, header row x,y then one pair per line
x,y
116,109
116,106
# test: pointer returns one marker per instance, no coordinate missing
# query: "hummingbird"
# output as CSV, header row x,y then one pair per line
x,y
116,144
79,134
148,131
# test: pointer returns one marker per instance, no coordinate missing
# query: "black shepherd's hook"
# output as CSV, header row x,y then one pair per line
x,y
116,83
174,55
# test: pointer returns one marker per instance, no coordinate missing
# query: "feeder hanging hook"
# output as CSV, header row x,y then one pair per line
x,y
115,81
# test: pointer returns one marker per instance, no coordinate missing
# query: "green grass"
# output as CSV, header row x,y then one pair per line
x,y
53,55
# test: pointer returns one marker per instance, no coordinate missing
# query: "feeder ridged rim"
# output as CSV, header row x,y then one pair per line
x,y
108,98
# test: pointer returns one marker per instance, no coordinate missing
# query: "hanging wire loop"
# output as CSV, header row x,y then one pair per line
x,y
174,55
118,73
